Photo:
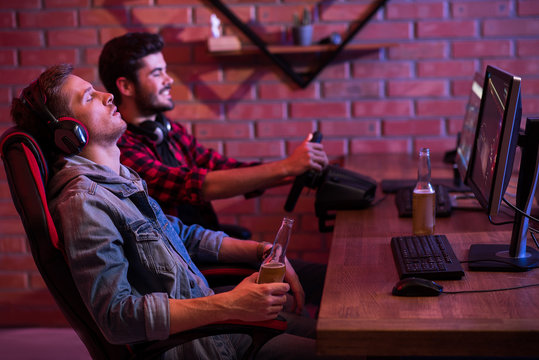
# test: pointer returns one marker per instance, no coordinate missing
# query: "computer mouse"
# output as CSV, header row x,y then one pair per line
x,y
414,286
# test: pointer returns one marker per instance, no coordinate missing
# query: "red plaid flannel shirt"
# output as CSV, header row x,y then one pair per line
x,y
171,186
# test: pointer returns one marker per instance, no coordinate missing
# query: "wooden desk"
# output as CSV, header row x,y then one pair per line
x,y
359,316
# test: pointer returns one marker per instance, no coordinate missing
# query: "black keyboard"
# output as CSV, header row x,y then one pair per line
x,y
429,257
403,200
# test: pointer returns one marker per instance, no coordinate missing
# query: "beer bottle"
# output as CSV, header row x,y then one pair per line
x,y
423,198
273,266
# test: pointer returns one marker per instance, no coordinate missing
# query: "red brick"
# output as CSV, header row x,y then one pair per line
x,y
47,19
181,92
193,111
386,31
510,27
7,57
481,48
161,15
20,38
177,54
98,17
440,107
223,131
414,11
18,262
202,14
454,125
255,111
341,12
281,13
47,57
194,73
446,29
18,76
7,19
334,71
418,50
527,47
530,86
382,108
520,67
351,128
224,92
12,244
461,87
259,148
100,3
13,280
283,129
215,145
391,70
251,73
372,146
351,89
436,145
319,110
481,9
444,69
78,3
20,4
193,34
413,127
417,88
528,7
280,91
73,37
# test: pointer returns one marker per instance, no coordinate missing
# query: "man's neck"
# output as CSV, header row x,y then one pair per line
x,y
109,156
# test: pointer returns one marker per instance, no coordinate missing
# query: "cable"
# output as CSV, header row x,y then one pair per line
x,y
519,211
490,290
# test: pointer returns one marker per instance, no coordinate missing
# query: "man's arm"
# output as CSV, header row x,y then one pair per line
x,y
220,184
247,302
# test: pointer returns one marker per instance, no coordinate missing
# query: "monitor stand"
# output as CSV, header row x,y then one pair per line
x,y
516,256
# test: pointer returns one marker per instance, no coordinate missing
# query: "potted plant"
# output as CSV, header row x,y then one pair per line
x,y
302,31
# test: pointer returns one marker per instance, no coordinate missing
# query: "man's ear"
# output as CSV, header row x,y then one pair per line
x,y
125,87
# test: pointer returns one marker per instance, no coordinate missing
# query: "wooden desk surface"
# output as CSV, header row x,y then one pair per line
x,y
359,316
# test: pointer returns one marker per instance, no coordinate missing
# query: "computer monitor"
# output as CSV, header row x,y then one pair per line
x,y
467,134
491,165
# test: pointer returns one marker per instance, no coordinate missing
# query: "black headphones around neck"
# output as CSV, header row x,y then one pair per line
x,y
70,135
156,130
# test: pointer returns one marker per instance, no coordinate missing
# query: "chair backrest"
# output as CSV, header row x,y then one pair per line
x,y
27,173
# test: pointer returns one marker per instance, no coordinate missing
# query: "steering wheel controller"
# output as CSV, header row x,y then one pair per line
x,y
308,178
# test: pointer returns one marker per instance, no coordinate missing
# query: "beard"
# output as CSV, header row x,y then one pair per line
x,y
149,104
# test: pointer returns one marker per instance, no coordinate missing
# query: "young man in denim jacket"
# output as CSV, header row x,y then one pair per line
x,y
133,265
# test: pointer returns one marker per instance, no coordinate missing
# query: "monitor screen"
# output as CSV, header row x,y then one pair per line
x,y
491,165
467,134
496,135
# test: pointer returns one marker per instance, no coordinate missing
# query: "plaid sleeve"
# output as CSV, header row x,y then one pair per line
x,y
173,185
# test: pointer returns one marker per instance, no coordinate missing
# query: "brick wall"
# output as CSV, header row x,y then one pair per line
x,y
392,100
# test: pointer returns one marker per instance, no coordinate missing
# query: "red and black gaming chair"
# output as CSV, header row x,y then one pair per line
x,y
27,173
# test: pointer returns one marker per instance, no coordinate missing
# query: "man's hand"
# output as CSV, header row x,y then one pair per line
x,y
295,286
307,156
250,301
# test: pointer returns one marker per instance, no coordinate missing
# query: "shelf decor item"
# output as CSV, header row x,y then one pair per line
x,y
302,32
218,42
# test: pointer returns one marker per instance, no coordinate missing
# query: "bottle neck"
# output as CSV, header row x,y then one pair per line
x,y
278,251
423,170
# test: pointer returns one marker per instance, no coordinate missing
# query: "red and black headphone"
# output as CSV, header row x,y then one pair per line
x,y
70,135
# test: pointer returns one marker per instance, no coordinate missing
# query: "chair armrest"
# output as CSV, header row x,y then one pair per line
x,y
260,331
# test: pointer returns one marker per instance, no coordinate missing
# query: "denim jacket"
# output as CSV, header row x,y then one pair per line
x,y
126,257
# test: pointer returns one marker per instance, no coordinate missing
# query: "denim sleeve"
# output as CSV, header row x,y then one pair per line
x,y
95,254
201,244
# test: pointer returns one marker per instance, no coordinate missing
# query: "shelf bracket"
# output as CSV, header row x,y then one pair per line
x,y
302,80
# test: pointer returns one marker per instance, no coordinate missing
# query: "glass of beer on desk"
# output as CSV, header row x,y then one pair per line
x,y
273,266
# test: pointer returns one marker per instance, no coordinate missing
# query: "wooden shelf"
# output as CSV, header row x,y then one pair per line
x,y
293,49
275,52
